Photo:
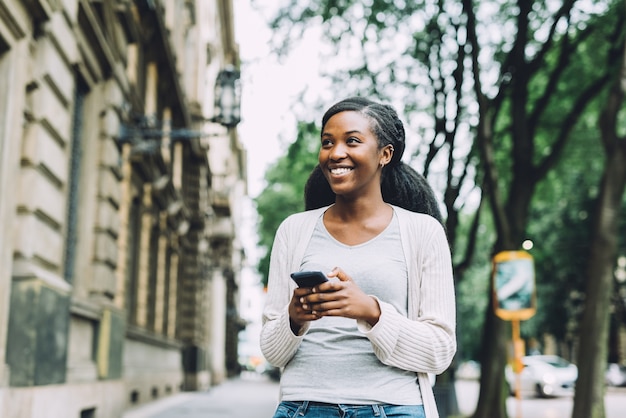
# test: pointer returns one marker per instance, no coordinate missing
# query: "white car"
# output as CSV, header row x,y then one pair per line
x,y
616,375
543,375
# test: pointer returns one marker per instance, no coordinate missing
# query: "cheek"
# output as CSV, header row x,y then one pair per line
x,y
322,155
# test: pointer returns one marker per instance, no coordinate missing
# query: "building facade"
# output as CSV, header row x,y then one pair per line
x,y
120,175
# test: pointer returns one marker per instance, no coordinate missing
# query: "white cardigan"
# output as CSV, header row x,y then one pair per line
x,y
425,342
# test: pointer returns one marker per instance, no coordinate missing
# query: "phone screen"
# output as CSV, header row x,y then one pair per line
x,y
309,278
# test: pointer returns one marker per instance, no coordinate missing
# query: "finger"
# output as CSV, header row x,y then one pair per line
x,y
302,291
309,316
340,274
327,309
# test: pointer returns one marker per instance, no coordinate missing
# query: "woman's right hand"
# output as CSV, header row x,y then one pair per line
x,y
299,312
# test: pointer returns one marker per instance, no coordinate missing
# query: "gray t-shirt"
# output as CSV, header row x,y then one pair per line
x,y
335,362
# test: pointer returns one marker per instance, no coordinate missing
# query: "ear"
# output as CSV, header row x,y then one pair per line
x,y
386,153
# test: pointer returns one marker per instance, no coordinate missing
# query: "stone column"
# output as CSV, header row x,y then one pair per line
x,y
159,300
173,296
152,78
122,238
12,83
143,279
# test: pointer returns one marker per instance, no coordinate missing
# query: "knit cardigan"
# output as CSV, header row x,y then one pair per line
x,y
423,342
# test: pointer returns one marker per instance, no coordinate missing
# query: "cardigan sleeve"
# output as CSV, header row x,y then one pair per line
x,y
426,343
278,342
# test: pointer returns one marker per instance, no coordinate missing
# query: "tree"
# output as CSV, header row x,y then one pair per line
x,y
530,74
594,330
284,193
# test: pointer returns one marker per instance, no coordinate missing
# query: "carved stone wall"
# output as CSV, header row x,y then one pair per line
x,y
105,265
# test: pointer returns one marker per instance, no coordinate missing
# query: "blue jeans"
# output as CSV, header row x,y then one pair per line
x,y
292,409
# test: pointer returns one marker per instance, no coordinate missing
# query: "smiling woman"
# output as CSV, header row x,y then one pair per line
x,y
385,319
350,156
400,184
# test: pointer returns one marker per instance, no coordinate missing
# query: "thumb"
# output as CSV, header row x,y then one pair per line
x,y
340,274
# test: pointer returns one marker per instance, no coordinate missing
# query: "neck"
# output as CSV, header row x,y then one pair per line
x,y
352,209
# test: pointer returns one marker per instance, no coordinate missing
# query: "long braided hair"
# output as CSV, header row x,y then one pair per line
x,y
401,185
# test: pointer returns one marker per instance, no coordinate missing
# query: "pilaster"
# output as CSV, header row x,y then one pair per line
x,y
12,82
159,302
143,281
173,296
122,237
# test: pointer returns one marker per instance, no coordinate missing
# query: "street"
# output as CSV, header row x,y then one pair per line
x,y
467,396
254,396
248,396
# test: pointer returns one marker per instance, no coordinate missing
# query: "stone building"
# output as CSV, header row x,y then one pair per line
x,y
120,176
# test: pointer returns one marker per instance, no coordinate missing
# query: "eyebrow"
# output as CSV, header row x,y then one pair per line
x,y
355,131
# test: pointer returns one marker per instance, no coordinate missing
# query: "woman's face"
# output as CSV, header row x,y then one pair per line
x,y
350,157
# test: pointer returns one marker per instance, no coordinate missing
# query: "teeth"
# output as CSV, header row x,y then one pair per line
x,y
338,171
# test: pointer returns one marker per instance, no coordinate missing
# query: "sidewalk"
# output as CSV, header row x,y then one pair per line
x,y
255,396
248,396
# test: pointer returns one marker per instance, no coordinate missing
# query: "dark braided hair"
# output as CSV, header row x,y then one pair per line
x,y
401,185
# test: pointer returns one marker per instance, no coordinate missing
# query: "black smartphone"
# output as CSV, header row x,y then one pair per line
x,y
309,278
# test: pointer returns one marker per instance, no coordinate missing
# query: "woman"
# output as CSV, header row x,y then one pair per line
x,y
363,343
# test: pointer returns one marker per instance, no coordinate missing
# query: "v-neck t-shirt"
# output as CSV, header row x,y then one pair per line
x,y
335,362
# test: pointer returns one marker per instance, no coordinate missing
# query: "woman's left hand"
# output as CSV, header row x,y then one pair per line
x,y
343,298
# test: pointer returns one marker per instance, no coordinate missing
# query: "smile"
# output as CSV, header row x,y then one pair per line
x,y
339,171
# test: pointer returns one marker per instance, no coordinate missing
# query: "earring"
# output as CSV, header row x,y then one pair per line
x,y
382,164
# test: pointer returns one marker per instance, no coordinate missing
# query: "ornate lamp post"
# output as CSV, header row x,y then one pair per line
x,y
228,98
144,130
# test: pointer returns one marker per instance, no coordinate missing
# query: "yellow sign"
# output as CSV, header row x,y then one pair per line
x,y
513,284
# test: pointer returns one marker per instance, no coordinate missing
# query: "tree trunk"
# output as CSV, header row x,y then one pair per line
x,y
492,398
594,330
445,393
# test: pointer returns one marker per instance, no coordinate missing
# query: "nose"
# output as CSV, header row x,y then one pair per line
x,y
338,152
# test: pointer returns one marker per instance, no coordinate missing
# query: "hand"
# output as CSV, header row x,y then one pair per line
x,y
298,312
339,298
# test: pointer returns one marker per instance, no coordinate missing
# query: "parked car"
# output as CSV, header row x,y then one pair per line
x,y
544,375
615,375
468,370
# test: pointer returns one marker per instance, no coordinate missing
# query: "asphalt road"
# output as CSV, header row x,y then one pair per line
x,y
530,407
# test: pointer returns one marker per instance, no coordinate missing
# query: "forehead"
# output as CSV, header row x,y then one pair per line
x,y
348,121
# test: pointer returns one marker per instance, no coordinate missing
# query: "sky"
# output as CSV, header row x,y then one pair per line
x,y
269,92
269,87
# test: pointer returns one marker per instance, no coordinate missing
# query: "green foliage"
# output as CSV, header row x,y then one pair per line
x,y
473,290
284,193
560,226
472,300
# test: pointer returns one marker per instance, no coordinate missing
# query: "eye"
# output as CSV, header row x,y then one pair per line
x,y
353,140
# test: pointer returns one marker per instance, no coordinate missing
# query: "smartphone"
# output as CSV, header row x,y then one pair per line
x,y
309,278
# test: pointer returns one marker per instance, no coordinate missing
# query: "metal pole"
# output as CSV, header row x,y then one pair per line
x,y
517,363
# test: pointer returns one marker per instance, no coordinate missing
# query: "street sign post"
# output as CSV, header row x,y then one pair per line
x,y
514,299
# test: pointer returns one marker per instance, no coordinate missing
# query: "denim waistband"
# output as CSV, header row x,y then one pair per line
x,y
304,405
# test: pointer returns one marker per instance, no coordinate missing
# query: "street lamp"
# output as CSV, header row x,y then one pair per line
x,y
227,113
228,97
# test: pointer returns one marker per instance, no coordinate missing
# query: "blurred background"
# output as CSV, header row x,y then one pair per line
x,y
150,148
